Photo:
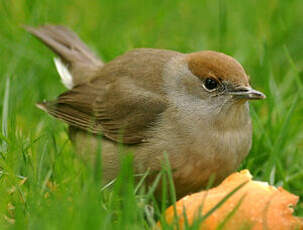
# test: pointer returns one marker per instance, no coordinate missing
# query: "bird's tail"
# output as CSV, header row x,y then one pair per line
x,y
77,62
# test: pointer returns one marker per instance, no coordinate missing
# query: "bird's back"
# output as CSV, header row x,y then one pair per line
x,y
143,66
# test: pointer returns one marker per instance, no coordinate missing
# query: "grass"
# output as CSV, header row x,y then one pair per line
x,y
44,185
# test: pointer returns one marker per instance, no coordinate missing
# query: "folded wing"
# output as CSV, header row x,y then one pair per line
x,y
119,110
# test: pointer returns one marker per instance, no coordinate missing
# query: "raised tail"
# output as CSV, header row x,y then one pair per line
x,y
77,62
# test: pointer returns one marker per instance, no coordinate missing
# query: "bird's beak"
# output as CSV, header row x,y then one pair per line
x,y
247,93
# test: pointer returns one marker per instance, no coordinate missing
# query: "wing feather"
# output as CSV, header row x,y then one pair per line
x,y
122,101
124,118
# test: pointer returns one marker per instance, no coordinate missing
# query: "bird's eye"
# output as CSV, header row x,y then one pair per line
x,y
211,84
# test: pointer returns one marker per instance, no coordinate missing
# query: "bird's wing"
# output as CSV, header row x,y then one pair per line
x,y
123,99
120,110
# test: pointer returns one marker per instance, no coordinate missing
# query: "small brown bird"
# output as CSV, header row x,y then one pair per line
x,y
193,107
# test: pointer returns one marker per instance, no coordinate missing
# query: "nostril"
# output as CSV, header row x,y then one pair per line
x,y
241,89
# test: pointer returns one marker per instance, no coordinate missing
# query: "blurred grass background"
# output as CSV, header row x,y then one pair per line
x,y
43,185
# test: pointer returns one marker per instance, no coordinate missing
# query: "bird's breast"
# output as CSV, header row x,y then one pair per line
x,y
196,151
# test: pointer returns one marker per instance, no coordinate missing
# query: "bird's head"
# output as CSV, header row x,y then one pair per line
x,y
222,75
212,82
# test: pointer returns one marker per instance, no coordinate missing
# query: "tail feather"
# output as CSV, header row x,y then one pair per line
x,y
75,55
64,73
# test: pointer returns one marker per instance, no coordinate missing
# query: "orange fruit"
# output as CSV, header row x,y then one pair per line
x,y
256,205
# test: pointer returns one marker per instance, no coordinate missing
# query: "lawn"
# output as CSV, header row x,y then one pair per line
x,y
44,185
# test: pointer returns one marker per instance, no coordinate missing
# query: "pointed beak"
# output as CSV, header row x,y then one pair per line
x,y
247,93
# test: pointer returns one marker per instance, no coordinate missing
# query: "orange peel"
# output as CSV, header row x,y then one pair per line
x,y
256,205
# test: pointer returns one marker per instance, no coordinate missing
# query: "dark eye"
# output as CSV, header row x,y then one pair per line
x,y
211,83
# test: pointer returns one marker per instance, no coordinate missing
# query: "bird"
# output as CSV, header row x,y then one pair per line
x,y
191,109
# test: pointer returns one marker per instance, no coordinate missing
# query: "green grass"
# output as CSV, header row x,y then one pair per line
x,y
44,185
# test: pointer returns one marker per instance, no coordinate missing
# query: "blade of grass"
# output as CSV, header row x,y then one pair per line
x,y
48,175
278,144
230,214
221,202
154,185
293,65
210,183
172,189
107,185
5,112
143,177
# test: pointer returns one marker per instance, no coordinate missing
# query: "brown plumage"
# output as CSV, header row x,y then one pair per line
x,y
108,107
220,65
191,106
